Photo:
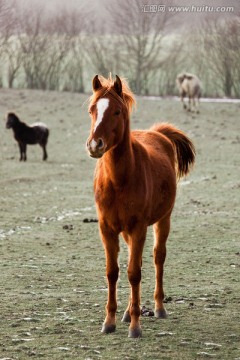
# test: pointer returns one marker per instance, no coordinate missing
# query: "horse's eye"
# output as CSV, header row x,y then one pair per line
x,y
117,112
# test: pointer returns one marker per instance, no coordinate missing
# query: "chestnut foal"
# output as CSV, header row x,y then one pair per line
x,y
135,186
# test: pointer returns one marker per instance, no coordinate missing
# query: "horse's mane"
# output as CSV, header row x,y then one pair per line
x,y
13,115
107,88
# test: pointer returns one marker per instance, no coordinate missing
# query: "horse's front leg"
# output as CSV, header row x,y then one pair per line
x,y
136,244
126,316
22,150
111,245
161,231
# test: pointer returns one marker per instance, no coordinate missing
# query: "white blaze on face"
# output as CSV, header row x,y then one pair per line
x,y
102,105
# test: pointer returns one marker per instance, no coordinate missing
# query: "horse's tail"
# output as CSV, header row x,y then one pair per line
x,y
184,148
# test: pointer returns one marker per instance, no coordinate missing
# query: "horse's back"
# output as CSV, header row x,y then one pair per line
x,y
156,144
192,86
41,131
40,127
39,124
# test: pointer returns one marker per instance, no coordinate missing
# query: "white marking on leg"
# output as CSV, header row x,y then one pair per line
x,y
102,105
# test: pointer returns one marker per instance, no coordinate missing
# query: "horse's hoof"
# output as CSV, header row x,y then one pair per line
x,y
135,333
126,317
108,329
160,314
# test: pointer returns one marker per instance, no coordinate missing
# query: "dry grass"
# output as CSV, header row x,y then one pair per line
x,y
52,285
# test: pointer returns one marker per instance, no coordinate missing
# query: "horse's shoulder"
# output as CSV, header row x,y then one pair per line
x,y
100,179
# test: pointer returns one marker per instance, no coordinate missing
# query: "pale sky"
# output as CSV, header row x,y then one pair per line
x,y
97,7
100,3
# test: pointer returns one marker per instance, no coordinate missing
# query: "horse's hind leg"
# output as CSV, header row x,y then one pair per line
x,y
126,316
197,106
161,231
45,155
182,100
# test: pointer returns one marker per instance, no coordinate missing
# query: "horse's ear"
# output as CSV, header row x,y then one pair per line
x,y
118,86
96,84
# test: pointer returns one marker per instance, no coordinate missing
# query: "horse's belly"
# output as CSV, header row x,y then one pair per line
x,y
125,209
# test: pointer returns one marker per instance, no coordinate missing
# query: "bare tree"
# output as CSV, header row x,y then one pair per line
x,y
141,32
74,70
6,17
222,45
176,62
103,52
72,24
43,51
48,62
13,56
10,63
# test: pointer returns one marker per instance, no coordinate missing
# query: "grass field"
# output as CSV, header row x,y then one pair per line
x,y
52,265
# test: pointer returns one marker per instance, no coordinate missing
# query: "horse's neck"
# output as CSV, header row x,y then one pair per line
x,y
17,126
119,162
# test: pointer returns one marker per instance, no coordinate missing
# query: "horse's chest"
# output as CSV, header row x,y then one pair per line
x,y
107,197
115,204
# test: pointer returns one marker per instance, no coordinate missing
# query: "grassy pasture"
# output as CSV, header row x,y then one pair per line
x,y
52,265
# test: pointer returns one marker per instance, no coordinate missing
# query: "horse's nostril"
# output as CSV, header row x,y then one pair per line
x,y
100,144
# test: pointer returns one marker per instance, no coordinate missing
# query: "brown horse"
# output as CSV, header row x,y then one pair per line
x,y
135,186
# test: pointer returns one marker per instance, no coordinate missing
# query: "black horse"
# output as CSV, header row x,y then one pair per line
x,y
24,134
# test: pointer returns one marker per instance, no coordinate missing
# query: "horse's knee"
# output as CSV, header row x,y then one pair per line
x,y
112,275
159,255
134,276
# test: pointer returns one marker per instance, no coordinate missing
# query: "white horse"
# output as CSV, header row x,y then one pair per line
x,y
189,85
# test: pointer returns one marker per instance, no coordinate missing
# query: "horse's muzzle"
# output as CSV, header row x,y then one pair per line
x,y
96,149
